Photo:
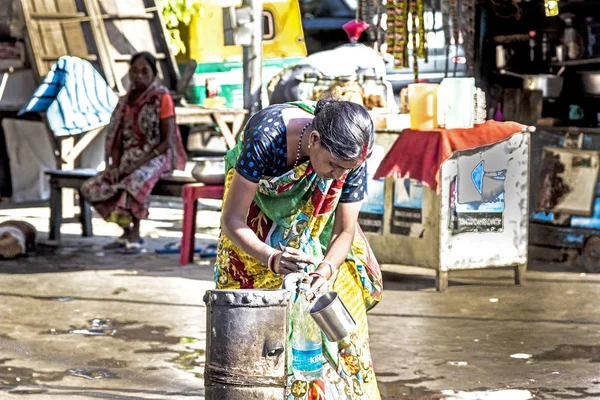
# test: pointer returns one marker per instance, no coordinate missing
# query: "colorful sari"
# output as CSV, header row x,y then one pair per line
x,y
297,210
136,132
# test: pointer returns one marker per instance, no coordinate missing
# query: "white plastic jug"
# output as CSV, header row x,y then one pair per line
x,y
456,103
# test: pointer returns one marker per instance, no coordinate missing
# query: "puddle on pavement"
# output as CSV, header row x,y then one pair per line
x,y
191,361
92,374
99,327
108,363
128,331
15,376
568,352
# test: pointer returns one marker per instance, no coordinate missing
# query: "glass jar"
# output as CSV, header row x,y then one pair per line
x,y
374,92
307,85
322,87
346,88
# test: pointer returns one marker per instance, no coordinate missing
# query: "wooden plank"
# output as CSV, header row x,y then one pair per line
x,y
55,210
123,16
52,33
82,144
162,38
68,198
73,30
35,46
56,16
101,38
127,37
54,57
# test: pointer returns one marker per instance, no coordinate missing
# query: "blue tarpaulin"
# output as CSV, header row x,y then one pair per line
x,y
74,97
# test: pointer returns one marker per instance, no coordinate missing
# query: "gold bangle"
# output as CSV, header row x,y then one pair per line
x,y
156,152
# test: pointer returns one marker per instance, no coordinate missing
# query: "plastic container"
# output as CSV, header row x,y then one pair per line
x,y
423,106
307,344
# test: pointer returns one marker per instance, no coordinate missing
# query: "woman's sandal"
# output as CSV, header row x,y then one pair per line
x,y
131,248
120,243
117,244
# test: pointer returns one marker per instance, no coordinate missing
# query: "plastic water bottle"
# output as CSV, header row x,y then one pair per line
x,y
307,346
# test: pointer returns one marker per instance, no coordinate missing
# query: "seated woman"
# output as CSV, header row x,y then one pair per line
x,y
294,187
142,144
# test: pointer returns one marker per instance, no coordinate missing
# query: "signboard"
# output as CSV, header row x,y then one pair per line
x,y
407,214
370,217
477,197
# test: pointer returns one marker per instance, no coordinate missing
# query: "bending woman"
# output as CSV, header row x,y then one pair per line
x,y
142,144
294,187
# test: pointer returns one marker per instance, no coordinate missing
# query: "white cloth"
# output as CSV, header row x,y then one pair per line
x,y
16,233
345,60
30,154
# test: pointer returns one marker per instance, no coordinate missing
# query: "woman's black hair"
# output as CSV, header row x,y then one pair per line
x,y
346,129
148,57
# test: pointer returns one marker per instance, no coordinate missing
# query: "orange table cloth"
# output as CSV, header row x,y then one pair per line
x,y
419,154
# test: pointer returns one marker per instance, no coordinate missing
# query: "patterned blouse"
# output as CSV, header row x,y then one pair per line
x,y
265,153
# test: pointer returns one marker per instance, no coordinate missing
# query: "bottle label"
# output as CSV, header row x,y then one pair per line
x,y
307,360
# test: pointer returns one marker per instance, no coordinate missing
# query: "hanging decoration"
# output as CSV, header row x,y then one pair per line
x,y
414,32
455,29
354,29
422,37
467,28
447,34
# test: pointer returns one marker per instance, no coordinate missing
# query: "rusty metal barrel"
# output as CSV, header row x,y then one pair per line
x,y
246,344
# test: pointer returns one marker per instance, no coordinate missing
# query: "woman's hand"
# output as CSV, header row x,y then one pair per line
x,y
320,278
290,260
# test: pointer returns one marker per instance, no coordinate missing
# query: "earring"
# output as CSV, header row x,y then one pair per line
x,y
309,145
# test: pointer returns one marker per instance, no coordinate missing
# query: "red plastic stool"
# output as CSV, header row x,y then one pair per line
x,y
190,193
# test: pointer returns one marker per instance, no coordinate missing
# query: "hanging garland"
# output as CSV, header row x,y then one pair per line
x,y
414,32
421,18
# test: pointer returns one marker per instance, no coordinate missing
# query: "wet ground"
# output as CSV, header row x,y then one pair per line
x,y
79,322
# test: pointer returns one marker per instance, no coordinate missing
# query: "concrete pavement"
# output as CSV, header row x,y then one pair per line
x,y
78,322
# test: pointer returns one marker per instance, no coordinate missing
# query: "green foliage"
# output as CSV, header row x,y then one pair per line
x,y
176,12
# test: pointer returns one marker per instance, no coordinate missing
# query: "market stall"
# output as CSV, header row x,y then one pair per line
x,y
452,199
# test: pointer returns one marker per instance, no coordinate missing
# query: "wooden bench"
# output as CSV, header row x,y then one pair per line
x,y
167,186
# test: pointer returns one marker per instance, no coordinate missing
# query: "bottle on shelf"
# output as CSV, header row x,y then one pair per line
x,y
532,46
545,47
591,48
571,39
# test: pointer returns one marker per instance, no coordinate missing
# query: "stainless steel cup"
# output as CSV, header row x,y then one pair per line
x,y
332,316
